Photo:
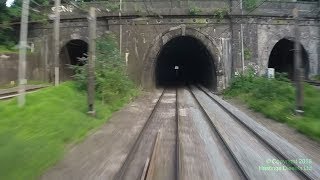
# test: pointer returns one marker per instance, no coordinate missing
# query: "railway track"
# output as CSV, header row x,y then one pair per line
x,y
191,134
314,83
278,154
154,154
12,94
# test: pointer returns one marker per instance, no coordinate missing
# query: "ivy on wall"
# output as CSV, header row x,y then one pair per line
x,y
194,10
250,4
220,13
247,54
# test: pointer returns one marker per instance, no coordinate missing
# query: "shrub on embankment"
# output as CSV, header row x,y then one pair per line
x,y
275,98
112,81
35,137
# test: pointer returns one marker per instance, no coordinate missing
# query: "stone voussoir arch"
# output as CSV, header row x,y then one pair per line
x,y
150,57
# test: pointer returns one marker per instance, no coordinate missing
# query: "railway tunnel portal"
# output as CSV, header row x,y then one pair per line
x,y
183,56
154,44
185,60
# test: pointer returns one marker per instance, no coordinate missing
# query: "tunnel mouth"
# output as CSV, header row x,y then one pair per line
x,y
72,53
76,49
282,58
185,60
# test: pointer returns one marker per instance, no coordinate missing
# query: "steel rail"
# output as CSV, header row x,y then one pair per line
x,y
220,137
271,148
134,148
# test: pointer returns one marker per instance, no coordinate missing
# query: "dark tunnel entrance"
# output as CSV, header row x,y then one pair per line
x,y
185,60
70,55
282,58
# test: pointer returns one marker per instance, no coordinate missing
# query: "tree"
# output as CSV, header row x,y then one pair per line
x,y
10,18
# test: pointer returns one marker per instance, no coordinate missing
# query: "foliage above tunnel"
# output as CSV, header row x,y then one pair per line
x,y
250,5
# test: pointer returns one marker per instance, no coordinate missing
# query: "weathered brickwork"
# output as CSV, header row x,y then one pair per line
x,y
140,36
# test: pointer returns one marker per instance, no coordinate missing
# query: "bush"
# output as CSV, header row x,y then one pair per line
x,y
220,13
250,4
275,98
194,10
247,54
282,76
316,77
110,72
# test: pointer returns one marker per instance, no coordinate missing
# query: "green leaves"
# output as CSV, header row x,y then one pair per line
x,y
250,4
194,10
247,54
220,13
111,79
11,15
275,98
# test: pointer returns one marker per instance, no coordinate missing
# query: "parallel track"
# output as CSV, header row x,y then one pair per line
x,y
223,142
278,154
314,83
133,150
177,139
150,164
150,170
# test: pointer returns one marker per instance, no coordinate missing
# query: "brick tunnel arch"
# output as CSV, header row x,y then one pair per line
x,y
282,58
211,67
70,54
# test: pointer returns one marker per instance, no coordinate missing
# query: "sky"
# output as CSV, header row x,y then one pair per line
x,y
9,3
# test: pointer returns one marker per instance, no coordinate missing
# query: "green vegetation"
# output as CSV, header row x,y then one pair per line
x,y
247,54
316,77
36,136
275,98
10,18
112,6
220,13
112,81
250,4
194,10
9,48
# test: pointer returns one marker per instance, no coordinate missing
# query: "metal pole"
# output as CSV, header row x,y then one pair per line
x,y
46,79
22,52
120,30
91,62
241,37
297,65
56,42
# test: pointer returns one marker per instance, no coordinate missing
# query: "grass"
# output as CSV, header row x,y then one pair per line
x,y
11,50
4,49
316,77
34,137
275,98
